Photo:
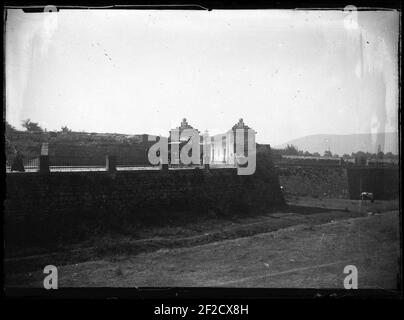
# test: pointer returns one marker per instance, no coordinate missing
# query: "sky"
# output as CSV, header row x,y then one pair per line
x,y
287,73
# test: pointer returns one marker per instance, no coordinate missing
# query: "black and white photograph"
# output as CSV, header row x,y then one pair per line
x,y
195,147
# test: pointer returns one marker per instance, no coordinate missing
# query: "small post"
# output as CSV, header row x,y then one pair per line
x,y
44,158
163,166
44,164
206,159
111,163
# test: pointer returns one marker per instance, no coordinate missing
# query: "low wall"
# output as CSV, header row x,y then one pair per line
x,y
67,205
382,182
316,181
339,181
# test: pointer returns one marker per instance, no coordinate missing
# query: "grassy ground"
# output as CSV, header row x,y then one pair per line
x,y
307,244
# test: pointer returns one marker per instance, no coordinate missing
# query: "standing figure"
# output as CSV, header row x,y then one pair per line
x,y
18,164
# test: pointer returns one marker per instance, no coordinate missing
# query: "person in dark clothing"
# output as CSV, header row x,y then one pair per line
x,y
18,164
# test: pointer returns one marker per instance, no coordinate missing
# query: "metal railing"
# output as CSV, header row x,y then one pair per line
x,y
30,164
84,163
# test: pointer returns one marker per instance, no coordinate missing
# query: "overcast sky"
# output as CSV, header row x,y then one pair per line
x,y
287,73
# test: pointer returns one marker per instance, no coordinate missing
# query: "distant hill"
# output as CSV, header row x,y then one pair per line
x,y
340,144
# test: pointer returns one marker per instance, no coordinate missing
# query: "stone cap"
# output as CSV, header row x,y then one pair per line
x,y
185,125
241,125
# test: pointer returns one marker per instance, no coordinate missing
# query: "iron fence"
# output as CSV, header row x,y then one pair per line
x,y
30,164
74,163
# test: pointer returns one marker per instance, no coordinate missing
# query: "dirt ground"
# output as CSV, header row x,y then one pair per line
x,y
306,245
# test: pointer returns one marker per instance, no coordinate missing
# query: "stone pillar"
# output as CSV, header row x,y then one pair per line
x,y
44,164
111,163
164,166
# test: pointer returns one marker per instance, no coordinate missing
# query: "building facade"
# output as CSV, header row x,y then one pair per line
x,y
220,149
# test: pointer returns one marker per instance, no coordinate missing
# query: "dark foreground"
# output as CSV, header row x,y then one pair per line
x,y
307,246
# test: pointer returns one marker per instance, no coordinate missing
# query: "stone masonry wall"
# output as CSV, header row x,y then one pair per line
x,y
316,181
67,205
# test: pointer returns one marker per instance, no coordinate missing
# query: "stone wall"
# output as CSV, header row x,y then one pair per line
x,y
339,181
315,181
383,182
80,148
68,205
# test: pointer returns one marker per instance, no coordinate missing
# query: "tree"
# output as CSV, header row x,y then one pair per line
x,y
291,150
380,154
65,129
359,154
360,157
327,153
31,126
390,155
10,128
